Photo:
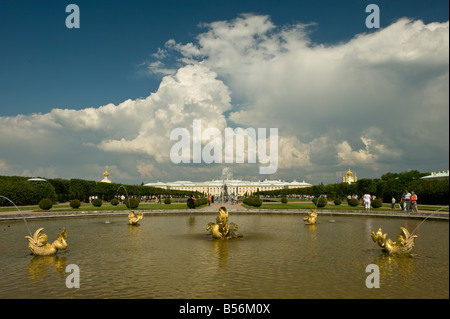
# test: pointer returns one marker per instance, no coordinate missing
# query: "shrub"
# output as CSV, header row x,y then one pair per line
x,y
75,203
97,202
353,202
284,200
45,204
114,202
168,201
337,201
253,201
201,201
377,203
132,203
322,202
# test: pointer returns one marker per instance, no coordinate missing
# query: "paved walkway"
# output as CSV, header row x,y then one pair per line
x,y
216,206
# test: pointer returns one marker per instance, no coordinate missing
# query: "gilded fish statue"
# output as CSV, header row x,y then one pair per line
x,y
404,244
133,219
221,229
40,247
311,218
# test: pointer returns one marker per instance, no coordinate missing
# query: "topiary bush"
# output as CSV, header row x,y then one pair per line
x,y
320,202
253,201
353,202
377,203
45,204
168,201
97,202
284,200
75,203
132,203
114,202
201,201
337,201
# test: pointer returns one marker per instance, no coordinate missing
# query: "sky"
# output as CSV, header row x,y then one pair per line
x,y
110,93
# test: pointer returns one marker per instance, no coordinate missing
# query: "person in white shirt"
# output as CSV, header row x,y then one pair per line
x,y
366,199
406,201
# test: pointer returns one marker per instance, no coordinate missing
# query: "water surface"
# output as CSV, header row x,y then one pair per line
x,y
173,256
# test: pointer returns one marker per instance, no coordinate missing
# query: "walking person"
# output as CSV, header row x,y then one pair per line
x,y
393,202
406,197
367,199
414,199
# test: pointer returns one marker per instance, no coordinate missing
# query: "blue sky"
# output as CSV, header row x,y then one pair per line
x,y
45,65
111,59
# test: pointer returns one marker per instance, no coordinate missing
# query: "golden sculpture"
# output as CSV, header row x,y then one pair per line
x,y
404,244
133,219
221,229
311,218
40,247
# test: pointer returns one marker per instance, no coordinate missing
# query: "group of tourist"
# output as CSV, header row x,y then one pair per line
x,y
409,200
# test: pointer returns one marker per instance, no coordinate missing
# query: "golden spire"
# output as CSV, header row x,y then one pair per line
x,y
105,174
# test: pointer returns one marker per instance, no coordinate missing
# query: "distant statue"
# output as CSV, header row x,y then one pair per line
x,y
404,244
133,219
40,247
311,218
221,229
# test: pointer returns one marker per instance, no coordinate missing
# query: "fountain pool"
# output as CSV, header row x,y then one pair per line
x,y
173,256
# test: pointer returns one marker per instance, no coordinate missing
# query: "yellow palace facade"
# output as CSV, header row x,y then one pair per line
x,y
234,186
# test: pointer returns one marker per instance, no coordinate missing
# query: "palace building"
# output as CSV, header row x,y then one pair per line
x,y
349,178
233,186
437,176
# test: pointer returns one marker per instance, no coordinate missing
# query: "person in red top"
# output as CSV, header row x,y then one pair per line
x,y
414,201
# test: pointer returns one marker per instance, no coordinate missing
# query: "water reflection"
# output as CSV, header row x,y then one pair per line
x,y
221,251
39,265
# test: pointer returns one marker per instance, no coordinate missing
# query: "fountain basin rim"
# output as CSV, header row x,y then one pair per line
x,y
81,214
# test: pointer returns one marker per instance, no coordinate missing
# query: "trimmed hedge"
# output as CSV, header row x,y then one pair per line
x,y
75,203
97,202
320,202
131,203
353,202
253,201
168,201
377,203
284,200
45,204
201,201
22,192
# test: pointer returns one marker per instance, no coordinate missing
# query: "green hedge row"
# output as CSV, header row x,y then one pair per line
x,y
253,201
433,192
22,192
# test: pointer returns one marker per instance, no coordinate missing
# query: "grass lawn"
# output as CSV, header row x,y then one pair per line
x,y
105,206
152,206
